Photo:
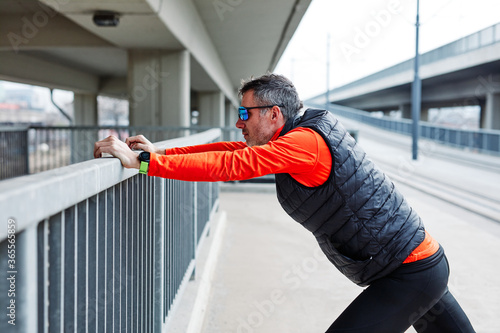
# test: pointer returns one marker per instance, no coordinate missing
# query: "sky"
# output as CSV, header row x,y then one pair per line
x,y
366,36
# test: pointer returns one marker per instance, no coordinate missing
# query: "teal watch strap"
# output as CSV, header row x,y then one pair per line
x,y
144,167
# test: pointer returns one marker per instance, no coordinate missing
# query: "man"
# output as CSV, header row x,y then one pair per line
x,y
324,181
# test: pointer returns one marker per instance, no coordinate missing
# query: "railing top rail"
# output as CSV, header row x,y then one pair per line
x,y
13,128
124,127
464,130
30,199
334,107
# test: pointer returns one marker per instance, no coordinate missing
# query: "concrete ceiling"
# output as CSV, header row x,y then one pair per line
x,y
247,36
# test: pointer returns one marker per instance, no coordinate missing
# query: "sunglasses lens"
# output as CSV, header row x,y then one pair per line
x,y
243,113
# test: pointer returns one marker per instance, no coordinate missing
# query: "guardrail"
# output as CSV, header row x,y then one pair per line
x,y
39,148
94,247
484,141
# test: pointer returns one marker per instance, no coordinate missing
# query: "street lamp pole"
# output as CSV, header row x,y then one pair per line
x,y
327,93
416,94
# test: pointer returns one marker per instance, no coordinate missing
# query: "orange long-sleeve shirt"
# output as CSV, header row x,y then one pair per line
x,y
302,153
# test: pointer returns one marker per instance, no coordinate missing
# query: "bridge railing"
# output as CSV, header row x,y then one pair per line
x,y
94,247
485,141
34,149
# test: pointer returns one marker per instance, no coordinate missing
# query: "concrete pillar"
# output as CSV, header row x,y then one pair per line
x,y
405,111
231,115
490,114
85,106
159,88
85,114
424,113
231,118
212,109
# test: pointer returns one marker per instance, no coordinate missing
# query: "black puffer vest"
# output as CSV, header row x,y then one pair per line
x,y
361,222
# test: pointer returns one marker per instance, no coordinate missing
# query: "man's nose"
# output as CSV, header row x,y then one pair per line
x,y
240,123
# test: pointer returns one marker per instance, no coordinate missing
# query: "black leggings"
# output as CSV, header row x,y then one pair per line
x,y
414,294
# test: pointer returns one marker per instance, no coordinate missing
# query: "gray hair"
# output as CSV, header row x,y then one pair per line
x,y
274,89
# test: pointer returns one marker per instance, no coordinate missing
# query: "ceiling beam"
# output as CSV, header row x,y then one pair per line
x,y
22,68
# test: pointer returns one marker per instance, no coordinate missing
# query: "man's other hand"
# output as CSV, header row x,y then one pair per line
x,y
139,142
112,145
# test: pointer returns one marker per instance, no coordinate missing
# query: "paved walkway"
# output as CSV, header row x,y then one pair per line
x,y
271,277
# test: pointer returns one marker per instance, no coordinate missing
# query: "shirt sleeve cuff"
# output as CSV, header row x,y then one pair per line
x,y
153,165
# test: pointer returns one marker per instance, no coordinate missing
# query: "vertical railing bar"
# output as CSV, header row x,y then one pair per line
x,y
116,257
120,253
110,259
133,255
35,152
82,265
147,265
105,262
144,223
75,281
63,267
130,224
123,289
100,261
143,250
27,273
195,221
167,250
125,256
27,151
160,253
54,265
176,259
152,245
44,156
171,244
93,262
130,221
87,254
45,251
69,269
147,257
137,254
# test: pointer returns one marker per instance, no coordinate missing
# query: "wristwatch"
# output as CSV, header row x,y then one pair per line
x,y
144,159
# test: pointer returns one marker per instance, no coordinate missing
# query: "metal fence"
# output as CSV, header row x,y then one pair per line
x,y
485,141
94,247
13,152
39,148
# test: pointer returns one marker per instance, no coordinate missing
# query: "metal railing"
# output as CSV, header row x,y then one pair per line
x,y
94,247
38,148
13,152
485,141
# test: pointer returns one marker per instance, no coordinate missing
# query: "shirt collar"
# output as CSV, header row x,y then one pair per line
x,y
277,134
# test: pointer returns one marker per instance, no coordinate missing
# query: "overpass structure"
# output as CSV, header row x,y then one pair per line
x,y
167,57
462,73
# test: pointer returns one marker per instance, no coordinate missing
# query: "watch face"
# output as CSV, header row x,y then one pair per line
x,y
144,156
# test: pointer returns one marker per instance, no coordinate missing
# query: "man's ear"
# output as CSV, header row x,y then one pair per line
x,y
276,112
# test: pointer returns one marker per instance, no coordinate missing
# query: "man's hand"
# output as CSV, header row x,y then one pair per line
x,y
139,142
112,145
